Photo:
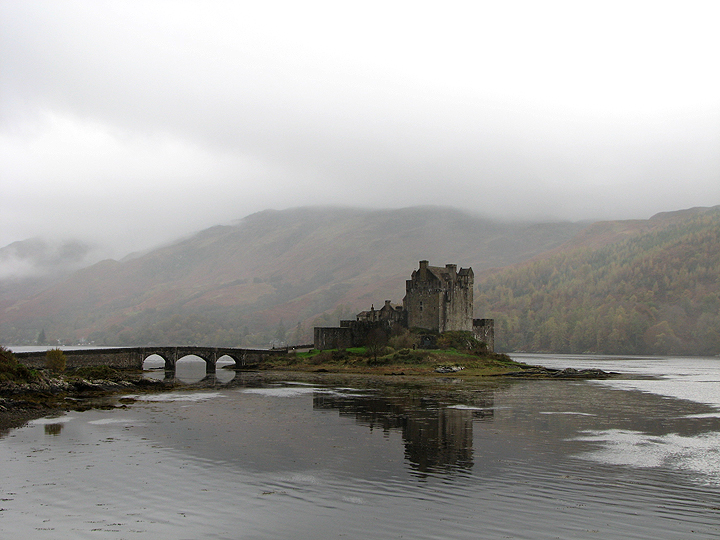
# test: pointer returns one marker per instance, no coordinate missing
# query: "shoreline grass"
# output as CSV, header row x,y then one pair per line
x,y
404,361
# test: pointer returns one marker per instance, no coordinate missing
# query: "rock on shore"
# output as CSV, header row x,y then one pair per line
x,y
567,373
21,402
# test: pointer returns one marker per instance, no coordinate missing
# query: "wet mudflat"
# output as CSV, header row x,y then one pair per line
x,y
303,456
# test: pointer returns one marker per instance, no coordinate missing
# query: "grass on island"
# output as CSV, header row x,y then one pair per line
x,y
396,362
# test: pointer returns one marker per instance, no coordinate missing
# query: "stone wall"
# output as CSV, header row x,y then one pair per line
x,y
457,302
116,358
348,334
423,308
333,337
484,330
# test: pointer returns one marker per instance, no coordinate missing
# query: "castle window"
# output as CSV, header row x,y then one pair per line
x,y
421,305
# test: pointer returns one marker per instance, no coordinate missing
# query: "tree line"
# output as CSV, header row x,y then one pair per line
x,y
654,293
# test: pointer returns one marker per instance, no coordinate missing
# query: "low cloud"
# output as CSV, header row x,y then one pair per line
x,y
132,124
38,258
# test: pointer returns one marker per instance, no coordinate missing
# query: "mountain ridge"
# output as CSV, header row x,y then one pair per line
x,y
274,274
291,265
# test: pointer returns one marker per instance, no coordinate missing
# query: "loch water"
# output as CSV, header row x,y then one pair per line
x,y
296,456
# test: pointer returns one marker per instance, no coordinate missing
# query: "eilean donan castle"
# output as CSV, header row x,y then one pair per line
x,y
436,299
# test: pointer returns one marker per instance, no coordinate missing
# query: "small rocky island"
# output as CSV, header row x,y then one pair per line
x,y
31,393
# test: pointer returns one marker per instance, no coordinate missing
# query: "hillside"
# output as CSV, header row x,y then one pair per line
x,y
273,275
653,288
627,287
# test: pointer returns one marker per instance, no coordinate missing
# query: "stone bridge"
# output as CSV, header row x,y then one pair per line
x,y
134,357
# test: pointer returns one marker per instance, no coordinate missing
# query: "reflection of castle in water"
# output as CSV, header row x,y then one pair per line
x,y
436,435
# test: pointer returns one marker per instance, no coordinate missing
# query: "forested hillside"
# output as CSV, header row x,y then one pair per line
x,y
656,292
623,287
270,277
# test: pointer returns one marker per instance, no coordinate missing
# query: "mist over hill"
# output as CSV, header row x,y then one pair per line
x,y
636,286
273,275
30,266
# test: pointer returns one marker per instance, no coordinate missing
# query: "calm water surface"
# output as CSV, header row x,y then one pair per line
x,y
326,457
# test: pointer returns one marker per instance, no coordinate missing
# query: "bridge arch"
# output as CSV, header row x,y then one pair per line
x,y
191,367
154,361
228,359
173,355
191,357
194,356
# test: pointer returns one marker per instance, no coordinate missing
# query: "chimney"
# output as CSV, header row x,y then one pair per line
x,y
423,270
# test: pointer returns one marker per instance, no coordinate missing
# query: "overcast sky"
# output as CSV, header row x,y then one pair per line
x,y
130,123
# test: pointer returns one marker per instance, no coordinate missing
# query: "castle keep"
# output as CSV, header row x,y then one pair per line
x,y
436,299
440,299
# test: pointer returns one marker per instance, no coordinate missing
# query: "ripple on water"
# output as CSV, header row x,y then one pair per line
x,y
51,420
699,455
282,391
175,396
108,421
572,413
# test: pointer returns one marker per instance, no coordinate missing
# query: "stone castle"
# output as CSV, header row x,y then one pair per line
x,y
436,299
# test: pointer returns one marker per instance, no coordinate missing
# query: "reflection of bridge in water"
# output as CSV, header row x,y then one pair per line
x,y
134,357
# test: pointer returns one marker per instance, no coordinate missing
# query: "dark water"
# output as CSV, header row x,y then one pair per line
x,y
328,457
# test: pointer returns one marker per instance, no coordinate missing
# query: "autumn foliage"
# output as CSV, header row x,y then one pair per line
x,y
657,292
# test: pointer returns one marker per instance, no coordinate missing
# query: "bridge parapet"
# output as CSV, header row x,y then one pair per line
x,y
119,358
134,357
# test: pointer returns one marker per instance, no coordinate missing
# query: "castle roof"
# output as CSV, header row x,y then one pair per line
x,y
388,311
439,272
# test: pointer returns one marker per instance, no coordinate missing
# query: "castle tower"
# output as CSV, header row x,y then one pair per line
x,y
440,299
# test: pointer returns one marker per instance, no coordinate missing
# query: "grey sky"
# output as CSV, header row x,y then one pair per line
x,y
132,123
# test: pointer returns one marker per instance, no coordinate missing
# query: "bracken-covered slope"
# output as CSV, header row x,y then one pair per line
x,y
271,276
640,287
